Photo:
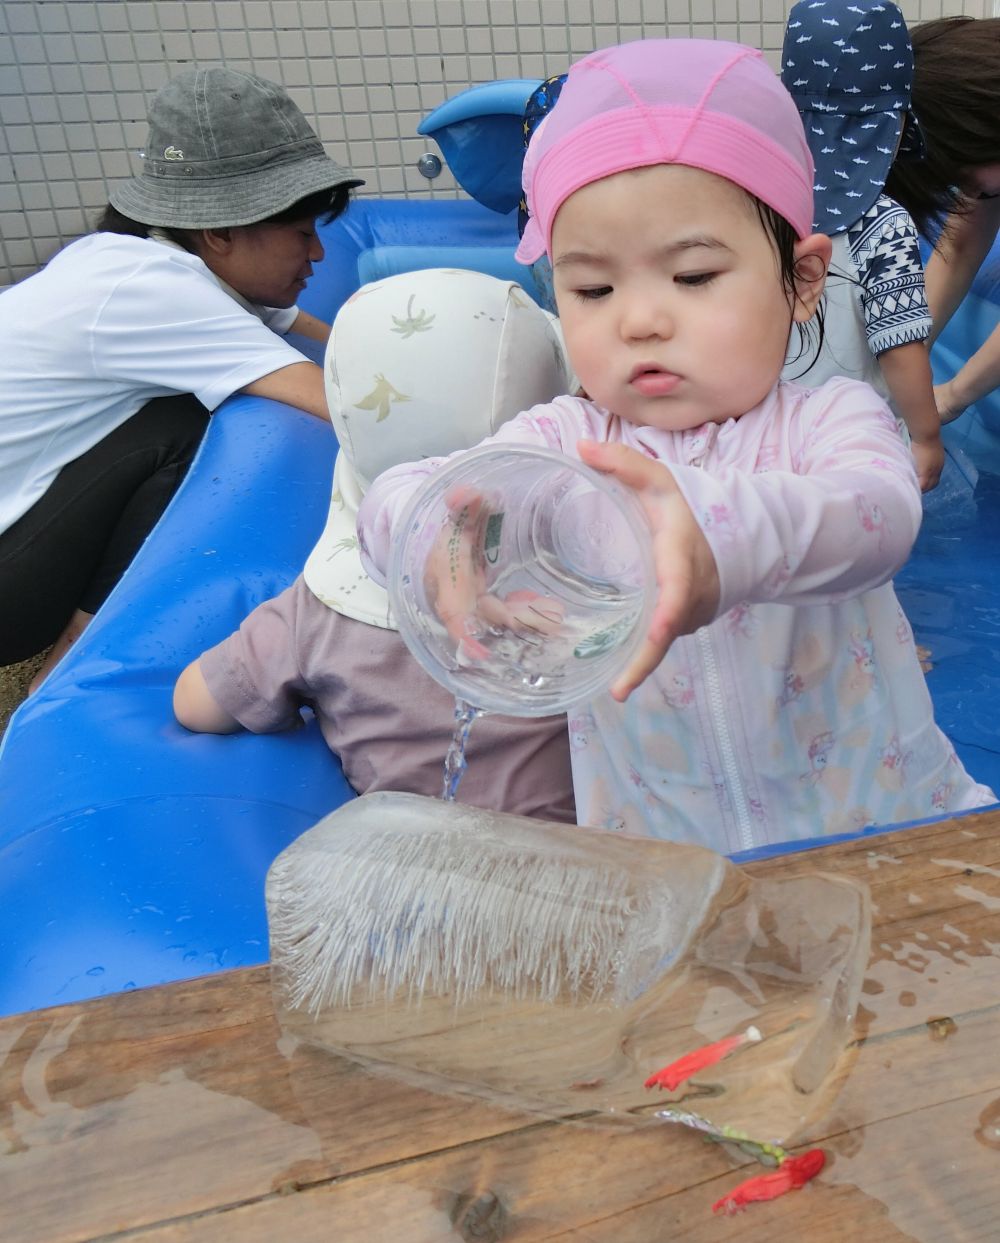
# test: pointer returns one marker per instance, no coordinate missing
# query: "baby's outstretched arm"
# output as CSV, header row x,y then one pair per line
x,y
686,572
840,524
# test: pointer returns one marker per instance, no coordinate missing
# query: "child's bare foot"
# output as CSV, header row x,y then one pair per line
x,y
75,627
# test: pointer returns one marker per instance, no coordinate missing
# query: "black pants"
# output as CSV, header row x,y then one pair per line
x,y
76,541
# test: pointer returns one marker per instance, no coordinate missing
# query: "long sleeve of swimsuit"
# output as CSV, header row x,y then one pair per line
x,y
809,498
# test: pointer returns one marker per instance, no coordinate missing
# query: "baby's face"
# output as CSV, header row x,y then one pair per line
x,y
670,296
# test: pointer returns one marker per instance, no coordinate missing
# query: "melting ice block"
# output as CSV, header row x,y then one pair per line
x,y
555,968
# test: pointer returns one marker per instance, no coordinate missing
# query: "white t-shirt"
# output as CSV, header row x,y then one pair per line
x,y
110,323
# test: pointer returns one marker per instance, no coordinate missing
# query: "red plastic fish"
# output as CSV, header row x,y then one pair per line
x,y
792,1173
672,1076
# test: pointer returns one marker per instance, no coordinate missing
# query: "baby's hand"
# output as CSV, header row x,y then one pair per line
x,y
457,579
455,573
686,573
928,457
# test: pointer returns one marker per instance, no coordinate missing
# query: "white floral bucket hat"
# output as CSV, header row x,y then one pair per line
x,y
421,365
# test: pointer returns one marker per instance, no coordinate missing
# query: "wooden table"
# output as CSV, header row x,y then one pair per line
x,y
181,1113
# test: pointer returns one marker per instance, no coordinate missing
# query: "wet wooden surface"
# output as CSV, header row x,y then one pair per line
x,y
180,1112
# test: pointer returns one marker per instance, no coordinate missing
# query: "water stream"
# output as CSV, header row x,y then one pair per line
x,y
455,761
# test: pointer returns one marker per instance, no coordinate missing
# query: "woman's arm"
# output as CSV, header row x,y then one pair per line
x,y
300,385
307,325
168,325
964,244
952,268
980,375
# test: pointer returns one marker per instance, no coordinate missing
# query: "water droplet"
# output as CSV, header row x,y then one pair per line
x,y
941,1028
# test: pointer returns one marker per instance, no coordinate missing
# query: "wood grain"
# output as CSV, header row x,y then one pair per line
x,y
182,1113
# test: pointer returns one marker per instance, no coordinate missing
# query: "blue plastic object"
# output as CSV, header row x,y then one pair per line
x,y
380,237
481,138
133,852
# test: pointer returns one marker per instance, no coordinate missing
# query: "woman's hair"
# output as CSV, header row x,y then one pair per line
x,y
323,205
956,100
784,237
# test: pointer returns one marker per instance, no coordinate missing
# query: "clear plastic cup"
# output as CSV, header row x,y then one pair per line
x,y
562,547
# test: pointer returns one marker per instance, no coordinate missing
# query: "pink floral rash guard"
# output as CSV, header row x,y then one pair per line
x,y
802,709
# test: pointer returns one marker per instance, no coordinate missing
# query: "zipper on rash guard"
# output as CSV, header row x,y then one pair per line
x,y
697,447
724,740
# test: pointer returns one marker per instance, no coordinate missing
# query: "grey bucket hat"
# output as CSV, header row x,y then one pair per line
x,y
225,148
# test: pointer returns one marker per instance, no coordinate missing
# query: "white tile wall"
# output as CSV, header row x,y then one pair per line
x,y
76,76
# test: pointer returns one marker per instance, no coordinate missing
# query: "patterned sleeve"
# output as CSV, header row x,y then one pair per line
x,y
884,246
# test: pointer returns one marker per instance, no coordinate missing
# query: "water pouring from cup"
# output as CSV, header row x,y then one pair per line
x,y
523,581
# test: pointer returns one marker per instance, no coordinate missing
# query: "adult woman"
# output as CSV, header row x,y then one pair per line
x,y
117,350
956,99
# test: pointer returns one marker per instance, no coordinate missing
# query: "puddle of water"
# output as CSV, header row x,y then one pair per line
x,y
969,893
962,865
73,1158
988,1131
874,859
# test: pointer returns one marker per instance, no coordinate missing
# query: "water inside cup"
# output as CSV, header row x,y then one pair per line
x,y
563,548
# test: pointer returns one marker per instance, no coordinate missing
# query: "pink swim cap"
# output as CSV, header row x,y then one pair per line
x,y
701,102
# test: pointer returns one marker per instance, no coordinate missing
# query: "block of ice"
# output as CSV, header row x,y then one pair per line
x,y
555,968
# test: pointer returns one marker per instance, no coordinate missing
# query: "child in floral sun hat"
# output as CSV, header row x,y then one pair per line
x,y
420,363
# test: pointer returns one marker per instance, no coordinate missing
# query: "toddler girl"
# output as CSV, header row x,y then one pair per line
x,y
778,694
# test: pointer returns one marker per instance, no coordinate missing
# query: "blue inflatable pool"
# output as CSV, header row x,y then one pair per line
x,y
134,853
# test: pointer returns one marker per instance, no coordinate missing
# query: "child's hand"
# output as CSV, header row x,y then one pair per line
x,y
928,456
455,571
456,580
686,572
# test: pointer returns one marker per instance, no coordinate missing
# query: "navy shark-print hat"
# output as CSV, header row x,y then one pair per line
x,y
849,68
